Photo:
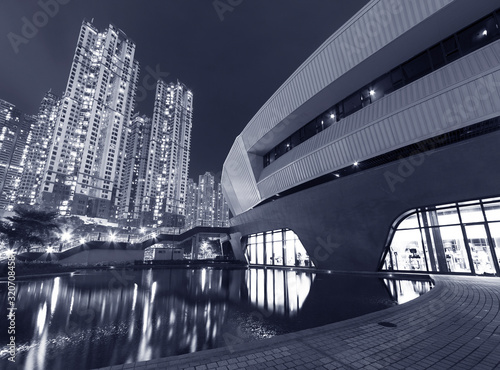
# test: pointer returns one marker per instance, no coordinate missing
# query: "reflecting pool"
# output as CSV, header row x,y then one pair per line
x,y
102,318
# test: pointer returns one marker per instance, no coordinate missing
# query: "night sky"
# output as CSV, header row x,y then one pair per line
x,y
232,61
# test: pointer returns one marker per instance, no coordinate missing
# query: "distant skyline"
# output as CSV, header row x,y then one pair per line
x,y
233,57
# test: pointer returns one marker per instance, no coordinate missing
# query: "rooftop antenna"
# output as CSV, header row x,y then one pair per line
x,y
92,21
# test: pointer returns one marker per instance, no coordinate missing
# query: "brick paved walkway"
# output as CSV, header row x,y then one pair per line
x,y
454,326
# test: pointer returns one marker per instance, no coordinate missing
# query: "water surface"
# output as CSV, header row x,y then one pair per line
x,y
102,318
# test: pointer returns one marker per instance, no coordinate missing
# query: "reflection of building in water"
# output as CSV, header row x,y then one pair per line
x,y
457,237
156,314
278,291
403,291
277,248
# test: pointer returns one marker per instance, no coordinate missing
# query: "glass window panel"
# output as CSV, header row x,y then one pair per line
x,y
417,67
289,253
492,211
327,119
253,254
451,49
260,253
471,214
278,253
430,249
495,235
352,103
289,235
260,238
454,249
407,252
295,139
477,35
302,258
252,239
381,87
397,78
278,235
447,216
309,130
437,56
269,251
409,222
480,249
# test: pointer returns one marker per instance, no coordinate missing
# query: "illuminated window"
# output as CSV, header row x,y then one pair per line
x,y
451,238
277,248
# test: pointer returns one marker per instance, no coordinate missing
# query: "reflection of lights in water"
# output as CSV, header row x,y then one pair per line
x,y
153,292
403,291
145,350
134,300
55,295
72,302
267,290
42,318
203,279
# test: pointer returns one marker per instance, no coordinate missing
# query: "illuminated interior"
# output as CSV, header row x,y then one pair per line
x,y
451,238
279,247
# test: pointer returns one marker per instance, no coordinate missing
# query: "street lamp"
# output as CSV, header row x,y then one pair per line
x,y
66,235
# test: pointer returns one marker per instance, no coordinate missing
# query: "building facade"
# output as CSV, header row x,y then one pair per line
x,y
133,204
84,168
168,161
36,151
14,131
206,205
398,110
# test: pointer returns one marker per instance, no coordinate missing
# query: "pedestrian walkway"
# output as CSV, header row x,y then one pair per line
x,y
454,326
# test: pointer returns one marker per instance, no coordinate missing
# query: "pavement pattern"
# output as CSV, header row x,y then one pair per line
x,y
454,326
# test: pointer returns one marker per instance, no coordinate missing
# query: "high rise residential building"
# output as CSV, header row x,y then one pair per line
x,y
191,203
221,208
206,205
84,169
205,213
168,162
133,208
14,130
36,151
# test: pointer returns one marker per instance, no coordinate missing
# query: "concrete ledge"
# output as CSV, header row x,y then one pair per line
x,y
456,325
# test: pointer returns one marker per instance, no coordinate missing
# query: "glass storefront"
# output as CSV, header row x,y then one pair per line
x,y
452,238
277,248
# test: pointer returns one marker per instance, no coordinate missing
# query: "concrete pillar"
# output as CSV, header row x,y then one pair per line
x,y
236,245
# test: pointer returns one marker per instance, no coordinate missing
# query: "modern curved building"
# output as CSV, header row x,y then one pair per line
x,y
395,115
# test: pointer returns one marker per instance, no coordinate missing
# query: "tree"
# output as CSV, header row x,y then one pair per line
x,y
29,227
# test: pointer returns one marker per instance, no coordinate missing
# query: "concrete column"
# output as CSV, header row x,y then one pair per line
x,y
236,245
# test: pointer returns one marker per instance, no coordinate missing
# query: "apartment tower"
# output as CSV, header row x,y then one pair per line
x,y
168,162
84,169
